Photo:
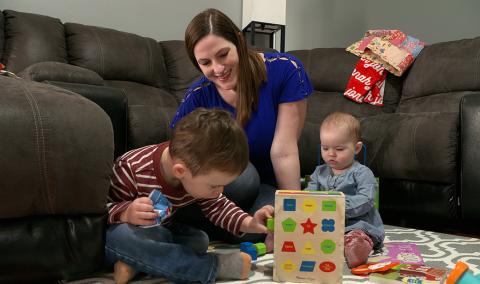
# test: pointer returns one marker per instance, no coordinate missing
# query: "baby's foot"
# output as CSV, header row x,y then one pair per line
x,y
122,272
358,246
234,265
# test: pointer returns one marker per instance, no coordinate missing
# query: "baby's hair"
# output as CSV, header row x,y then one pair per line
x,y
344,121
210,139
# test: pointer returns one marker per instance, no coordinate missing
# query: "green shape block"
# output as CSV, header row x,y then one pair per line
x,y
329,205
270,224
261,248
289,225
327,246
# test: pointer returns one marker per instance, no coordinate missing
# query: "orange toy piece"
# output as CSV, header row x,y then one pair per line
x,y
370,267
461,274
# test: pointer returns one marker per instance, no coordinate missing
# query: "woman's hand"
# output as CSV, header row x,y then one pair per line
x,y
139,212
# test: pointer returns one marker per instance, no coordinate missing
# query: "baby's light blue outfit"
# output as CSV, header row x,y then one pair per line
x,y
358,184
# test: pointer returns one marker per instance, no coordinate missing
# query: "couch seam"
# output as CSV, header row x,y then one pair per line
x,y
477,70
414,135
40,145
149,51
100,48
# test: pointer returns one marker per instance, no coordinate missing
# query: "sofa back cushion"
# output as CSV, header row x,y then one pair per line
x,y
329,70
181,72
413,146
116,55
32,38
441,75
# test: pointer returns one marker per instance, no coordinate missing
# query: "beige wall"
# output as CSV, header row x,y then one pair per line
x,y
309,23
159,19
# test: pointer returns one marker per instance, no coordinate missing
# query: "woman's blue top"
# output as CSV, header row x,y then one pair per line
x,y
286,82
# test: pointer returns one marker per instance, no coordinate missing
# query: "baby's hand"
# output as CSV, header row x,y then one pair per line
x,y
139,212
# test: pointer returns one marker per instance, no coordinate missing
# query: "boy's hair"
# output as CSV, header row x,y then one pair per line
x,y
344,121
210,139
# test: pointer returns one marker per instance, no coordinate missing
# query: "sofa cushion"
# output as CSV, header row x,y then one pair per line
x,y
181,72
443,68
32,38
57,71
442,102
150,111
50,161
320,104
412,146
116,55
2,36
329,70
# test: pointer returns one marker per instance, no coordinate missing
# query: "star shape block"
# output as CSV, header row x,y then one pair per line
x,y
309,226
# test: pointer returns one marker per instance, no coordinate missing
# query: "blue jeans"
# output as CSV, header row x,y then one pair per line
x,y
247,193
177,252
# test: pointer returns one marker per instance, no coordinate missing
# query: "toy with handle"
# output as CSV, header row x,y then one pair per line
x,y
461,274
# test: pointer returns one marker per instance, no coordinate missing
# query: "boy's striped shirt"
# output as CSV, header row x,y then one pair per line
x,y
137,172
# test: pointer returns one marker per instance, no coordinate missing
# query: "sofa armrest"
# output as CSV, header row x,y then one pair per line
x,y
469,156
112,100
58,71
57,151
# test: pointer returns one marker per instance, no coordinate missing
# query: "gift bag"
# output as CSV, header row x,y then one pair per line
x,y
309,231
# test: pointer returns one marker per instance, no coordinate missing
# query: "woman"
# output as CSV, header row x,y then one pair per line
x,y
266,93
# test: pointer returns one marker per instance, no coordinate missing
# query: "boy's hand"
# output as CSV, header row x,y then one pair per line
x,y
139,212
258,222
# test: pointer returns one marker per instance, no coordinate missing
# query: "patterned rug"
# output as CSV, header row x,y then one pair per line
x,y
437,250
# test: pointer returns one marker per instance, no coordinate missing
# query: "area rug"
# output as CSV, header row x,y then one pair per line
x,y
437,250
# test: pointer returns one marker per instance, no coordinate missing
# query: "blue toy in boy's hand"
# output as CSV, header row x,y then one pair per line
x,y
161,205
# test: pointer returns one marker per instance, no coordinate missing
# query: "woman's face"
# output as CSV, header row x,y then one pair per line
x,y
218,60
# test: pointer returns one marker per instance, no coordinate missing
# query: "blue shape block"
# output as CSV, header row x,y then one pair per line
x,y
307,266
328,225
245,245
252,251
289,204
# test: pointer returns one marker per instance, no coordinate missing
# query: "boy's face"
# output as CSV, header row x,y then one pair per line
x,y
209,185
337,148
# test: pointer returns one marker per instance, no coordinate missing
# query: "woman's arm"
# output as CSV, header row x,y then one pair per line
x,y
284,151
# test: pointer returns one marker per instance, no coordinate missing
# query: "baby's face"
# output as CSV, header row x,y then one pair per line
x,y
337,148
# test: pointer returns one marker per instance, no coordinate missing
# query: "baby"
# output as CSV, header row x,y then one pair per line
x,y
340,142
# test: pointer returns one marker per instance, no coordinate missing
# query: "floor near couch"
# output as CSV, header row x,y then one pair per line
x,y
437,249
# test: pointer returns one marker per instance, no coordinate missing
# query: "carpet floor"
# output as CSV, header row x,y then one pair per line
x,y
437,250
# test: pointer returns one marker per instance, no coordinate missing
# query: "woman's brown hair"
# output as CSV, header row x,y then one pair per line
x,y
252,70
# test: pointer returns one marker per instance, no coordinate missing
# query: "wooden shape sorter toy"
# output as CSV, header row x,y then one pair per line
x,y
309,230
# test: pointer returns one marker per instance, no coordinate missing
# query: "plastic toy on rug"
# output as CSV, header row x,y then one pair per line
x,y
370,267
461,274
309,235
410,273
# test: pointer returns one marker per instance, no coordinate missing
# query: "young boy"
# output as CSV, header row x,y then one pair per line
x,y
207,150
340,142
